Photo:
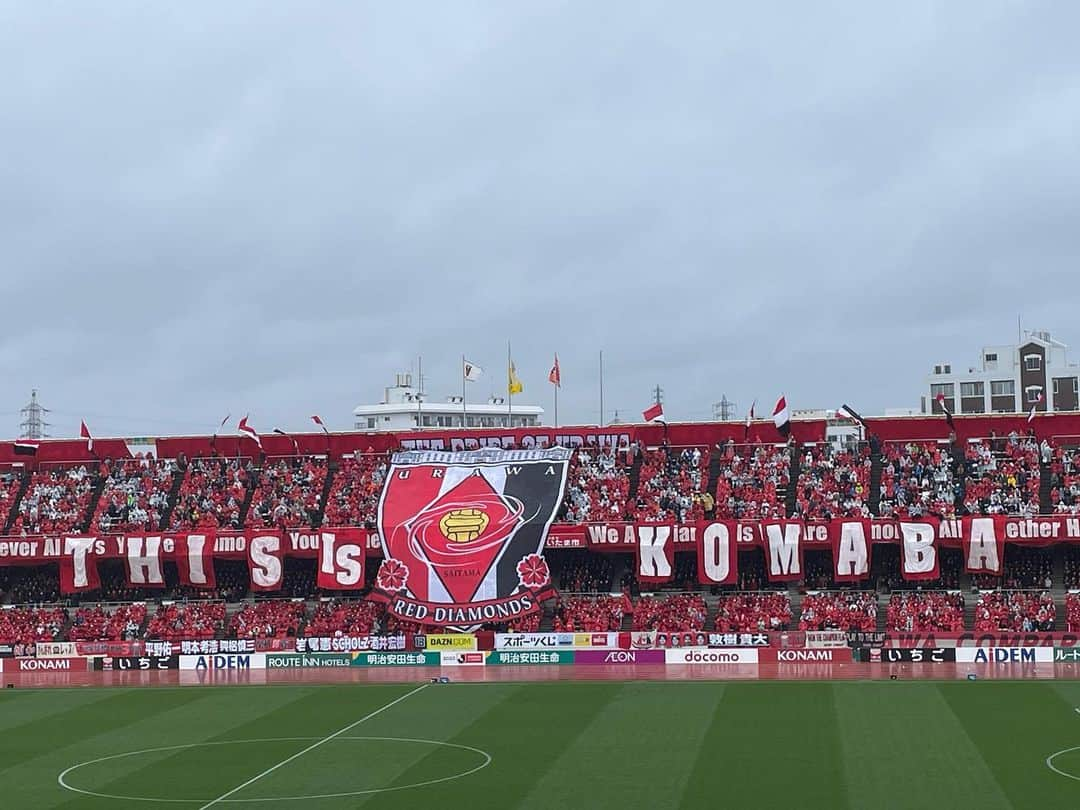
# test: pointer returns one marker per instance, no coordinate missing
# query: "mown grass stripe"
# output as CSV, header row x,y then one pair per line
x,y
903,748
526,732
653,728
1014,728
769,745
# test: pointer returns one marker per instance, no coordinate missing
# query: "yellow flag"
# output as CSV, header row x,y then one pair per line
x,y
514,385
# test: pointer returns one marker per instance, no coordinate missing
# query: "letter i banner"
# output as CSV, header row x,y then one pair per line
x,y
463,534
195,560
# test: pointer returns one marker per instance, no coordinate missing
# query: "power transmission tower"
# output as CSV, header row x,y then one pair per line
x,y
724,409
33,424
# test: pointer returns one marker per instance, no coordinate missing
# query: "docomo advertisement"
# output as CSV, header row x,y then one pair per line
x,y
709,656
1004,655
10,665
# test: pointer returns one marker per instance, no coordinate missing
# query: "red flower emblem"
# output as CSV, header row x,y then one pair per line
x,y
392,576
533,571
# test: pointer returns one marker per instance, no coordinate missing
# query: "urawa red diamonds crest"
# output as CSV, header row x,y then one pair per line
x,y
463,534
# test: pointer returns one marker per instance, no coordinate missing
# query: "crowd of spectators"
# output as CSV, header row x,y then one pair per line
x,y
10,481
272,618
833,483
753,612
1025,611
753,481
57,500
1023,567
347,617
671,614
1064,464
590,614
582,572
925,611
193,621
30,625
917,479
353,499
886,576
136,494
672,485
1072,612
1002,476
839,610
289,493
212,493
123,623
597,488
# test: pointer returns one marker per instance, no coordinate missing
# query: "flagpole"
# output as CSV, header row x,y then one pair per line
x,y
420,387
464,408
601,388
556,405
509,393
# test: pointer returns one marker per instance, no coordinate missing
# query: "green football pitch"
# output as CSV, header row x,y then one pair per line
x,y
549,745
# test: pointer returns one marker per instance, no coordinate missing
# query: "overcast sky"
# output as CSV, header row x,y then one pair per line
x,y
273,207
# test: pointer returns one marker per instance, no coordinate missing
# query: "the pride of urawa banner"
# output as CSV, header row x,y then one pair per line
x,y
464,533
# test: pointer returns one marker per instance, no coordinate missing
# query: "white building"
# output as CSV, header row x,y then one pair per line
x,y
407,408
1008,379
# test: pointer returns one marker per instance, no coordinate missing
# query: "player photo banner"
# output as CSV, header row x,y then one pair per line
x,y
463,534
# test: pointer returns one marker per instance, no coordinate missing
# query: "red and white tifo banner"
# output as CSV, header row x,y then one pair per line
x,y
341,552
10,665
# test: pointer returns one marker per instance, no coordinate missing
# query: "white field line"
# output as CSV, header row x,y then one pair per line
x,y
313,746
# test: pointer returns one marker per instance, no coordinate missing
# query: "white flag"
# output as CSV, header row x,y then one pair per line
x,y
472,371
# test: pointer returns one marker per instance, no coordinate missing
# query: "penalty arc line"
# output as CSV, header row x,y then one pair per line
x,y
312,747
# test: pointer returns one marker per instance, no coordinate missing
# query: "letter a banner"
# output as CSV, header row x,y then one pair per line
x,y
463,534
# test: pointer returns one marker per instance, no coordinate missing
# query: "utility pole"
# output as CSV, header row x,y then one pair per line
x,y
724,409
658,395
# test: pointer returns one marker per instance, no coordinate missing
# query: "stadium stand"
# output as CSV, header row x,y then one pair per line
x,y
28,625
843,610
833,483
188,621
671,485
922,612
56,500
273,618
753,612
917,479
753,481
135,496
354,493
289,493
590,613
123,623
1025,611
677,613
212,493
1004,480
598,488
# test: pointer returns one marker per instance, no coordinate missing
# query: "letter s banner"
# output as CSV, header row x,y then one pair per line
x,y
706,655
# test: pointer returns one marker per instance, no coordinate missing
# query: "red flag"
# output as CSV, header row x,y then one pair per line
x,y
653,412
249,431
84,432
782,417
318,421
554,377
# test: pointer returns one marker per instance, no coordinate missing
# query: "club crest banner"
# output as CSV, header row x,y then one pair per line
x,y
463,534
